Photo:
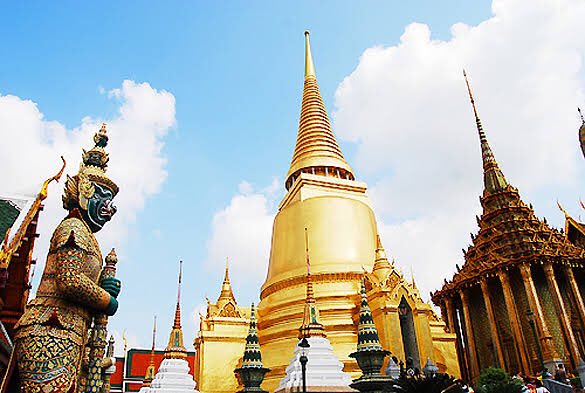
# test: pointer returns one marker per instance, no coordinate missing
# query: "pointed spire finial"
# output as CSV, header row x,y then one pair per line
x,y
311,325
310,295
381,264
316,151
562,209
309,66
175,348
226,295
494,179
412,278
581,115
150,370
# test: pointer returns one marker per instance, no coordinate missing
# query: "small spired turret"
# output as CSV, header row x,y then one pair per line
x,y
324,371
252,371
369,354
173,374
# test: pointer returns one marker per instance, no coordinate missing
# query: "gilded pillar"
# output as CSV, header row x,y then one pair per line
x,y
576,293
545,337
514,322
495,331
563,316
471,349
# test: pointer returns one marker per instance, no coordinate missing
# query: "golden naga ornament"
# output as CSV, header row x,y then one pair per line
x,y
52,335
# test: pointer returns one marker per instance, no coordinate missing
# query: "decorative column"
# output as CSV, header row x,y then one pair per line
x,y
545,337
563,316
514,322
452,322
495,332
450,314
576,294
471,349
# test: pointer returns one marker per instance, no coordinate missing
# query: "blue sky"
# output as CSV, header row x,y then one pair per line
x,y
235,71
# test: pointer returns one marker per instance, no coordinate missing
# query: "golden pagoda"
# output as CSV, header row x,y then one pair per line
x,y
220,341
517,302
323,196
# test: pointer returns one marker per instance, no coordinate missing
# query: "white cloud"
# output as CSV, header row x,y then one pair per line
x,y
407,109
137,163
242,232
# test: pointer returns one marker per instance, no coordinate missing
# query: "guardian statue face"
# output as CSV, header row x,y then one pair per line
x,y
100,208
91,191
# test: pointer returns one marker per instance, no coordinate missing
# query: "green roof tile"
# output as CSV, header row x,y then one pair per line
x,y
8,214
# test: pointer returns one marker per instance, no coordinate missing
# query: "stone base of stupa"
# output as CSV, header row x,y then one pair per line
x,y
173,377
324,371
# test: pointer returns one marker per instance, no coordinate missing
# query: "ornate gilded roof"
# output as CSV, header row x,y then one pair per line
x,y
13,232
316,145
509,233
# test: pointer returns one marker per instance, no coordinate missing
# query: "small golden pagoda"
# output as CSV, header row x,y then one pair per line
x,y
220,342
518,299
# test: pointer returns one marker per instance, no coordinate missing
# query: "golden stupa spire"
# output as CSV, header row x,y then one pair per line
x,y
381,264
150,371
175,348
311,325
226,286
493,177
316,150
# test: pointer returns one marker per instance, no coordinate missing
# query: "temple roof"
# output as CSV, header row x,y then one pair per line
x,y
316,145
16,214
9,212
509,231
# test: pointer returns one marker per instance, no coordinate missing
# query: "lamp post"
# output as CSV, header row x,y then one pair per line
x,y
304,344
530,316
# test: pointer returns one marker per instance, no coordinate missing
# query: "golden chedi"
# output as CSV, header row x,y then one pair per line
x,y
323,197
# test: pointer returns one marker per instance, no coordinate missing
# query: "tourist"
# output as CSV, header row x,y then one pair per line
x,y
561,374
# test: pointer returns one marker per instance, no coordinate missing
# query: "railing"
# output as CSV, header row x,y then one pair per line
x,y
556,387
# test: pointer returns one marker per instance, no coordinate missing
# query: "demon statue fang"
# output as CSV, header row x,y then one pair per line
x,y
52,335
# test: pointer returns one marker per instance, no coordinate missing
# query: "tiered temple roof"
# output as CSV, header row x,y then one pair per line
x,y
510,233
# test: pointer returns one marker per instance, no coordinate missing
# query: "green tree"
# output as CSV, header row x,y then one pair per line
x,y
496,380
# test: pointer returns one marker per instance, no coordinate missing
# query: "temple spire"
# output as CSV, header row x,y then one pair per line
x,y
150,371
309,66
311,325
226,287
368,339
252,356
582,132
493,177
316,150
175,348
381,264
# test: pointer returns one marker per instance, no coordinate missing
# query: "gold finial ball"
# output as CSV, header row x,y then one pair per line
x,y
307,32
